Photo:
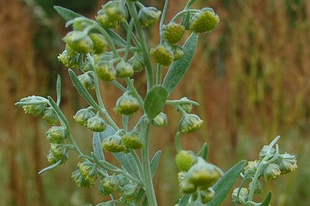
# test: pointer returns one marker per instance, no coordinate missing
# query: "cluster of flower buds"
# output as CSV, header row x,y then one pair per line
x,y
197,176
85,175
270,165
58,152
87,118
118,183
112,14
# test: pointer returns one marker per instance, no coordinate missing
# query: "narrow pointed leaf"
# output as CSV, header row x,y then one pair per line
x,y
66,14
155,101
128,163
97,146
58,89
154,162
223,186
204,151
117,39
267,200
178,69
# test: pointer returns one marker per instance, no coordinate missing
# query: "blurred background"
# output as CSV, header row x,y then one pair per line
x,y
251,77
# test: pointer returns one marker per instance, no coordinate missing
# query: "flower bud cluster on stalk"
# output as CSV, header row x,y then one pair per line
x,y
95,52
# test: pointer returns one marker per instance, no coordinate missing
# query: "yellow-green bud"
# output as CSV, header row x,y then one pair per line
x,y
113,143
251,167
186,106
99,42
87,80
80,42
185,159
50,116
177,52
161,120
80,25
207,196
124,69
136,62
106,21
82,116
264,151
187,187
58,152
174,33
35,109
148,16
204,21
56,134
243,195
79,180
271,172
88,171
162,55
129,192
132,141
68,60
96,124
105,71
126,105
108,185
190,123
287,163
115,10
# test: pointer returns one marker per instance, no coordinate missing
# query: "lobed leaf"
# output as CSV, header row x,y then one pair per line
x,y
180,67
155,101
223,186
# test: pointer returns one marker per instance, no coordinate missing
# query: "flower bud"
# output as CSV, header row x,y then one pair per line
x,y
287,163
82,116
160,120
126,105
204,21
113,143
187,187
108,185
124,69
136,62
87,80
79,180
243,195
115,10
271,172
80,25
35,109
99,42
190,123
78,41
105,71
148,16
251,167
56,134
122,180
106,21
50,116
58,152
162,55
177,52
131,140
185,159
96,124
129,192
203,174
174,33
207,196
186,106
264,151
258,187
88,171
68,60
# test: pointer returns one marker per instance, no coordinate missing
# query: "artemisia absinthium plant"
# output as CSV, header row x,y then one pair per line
x,y
97,53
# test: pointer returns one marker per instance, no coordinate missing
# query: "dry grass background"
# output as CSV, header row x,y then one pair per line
x,y
251,77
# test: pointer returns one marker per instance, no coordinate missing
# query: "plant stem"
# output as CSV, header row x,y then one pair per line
x,y
134,91
144,47
148,183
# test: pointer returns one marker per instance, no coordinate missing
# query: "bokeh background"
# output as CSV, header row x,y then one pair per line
x,y
251,77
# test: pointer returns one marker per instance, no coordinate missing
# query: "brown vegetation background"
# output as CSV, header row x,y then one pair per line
x,y
251,77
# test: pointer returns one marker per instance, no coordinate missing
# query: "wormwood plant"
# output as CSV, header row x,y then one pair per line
x,y
97,52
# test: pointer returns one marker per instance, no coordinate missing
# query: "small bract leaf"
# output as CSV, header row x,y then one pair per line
x,y
66,14
267,200
154,162
155,101
97,148
128,163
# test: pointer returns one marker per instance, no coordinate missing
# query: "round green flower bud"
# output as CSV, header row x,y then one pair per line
x,y
80,25
108,185
115,10
161,120
56,134
129,192
50,116
185,159
258,187
87,80
207,196
99,42
203,174
271,172
132,141
80,42
264,151
35,109
204,21
251,167
177,52
148,16
174,33
58,152
79,180
287,163
126,105
243,195
113,143
106,21
122,181
187,187
71,52
190,123
96,124
88,171
124,69
105,71
162,55
136,62
82,116
68,60
186,106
